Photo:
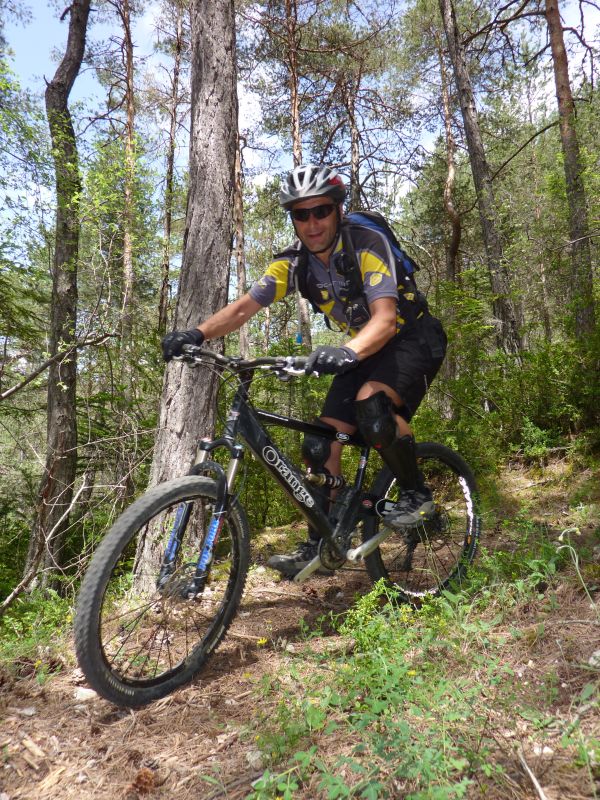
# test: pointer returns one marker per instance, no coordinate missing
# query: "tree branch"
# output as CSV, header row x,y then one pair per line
x,y
62,354
523,146
536,784
35,562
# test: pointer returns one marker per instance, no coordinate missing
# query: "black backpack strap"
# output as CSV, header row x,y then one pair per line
x,y
298,255
351,268
301,270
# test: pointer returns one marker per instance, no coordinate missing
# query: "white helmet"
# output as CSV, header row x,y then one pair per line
x,y
307,180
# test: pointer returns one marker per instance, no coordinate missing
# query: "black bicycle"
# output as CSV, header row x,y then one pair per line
x,y
165,584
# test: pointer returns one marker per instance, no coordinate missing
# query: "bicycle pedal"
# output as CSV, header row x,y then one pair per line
x,y
383,507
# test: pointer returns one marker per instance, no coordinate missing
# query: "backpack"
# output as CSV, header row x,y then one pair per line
x,y
377,222
405,266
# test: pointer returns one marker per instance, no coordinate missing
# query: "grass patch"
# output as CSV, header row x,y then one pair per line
x,y
448,701
33,635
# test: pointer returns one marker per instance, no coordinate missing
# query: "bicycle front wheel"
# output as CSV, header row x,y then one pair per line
x,y
142,631
425,559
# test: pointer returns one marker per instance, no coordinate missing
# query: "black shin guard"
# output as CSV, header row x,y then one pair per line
x,y
377,424
315,452
323,500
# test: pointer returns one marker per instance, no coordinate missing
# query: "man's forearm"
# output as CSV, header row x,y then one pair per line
x,y
230,318
377,332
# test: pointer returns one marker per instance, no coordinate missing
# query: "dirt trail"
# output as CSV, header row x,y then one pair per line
x,y
60,741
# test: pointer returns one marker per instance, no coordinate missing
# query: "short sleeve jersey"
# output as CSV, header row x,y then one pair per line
x,y
327,288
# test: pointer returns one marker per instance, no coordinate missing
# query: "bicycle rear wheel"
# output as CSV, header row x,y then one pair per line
x,y
141,633
427,558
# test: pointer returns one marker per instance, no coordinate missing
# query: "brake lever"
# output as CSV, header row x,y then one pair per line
x,y
190,355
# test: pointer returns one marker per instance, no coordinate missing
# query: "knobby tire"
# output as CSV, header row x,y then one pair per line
x,y
135,642
434,555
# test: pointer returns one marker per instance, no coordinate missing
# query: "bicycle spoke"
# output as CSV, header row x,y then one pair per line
x,y
147,636
423,560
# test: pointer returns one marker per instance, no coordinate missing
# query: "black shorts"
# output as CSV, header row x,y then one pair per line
x,y
407,364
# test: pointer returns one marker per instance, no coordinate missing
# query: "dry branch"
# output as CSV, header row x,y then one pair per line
x,y
35,561
536,784
57,357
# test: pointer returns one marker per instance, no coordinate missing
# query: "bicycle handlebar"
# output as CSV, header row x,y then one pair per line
x,y
291,365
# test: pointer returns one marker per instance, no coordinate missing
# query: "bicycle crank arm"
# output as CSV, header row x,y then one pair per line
x,y
308,570
365,549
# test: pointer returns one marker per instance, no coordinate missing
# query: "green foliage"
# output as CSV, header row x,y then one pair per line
x,y
411,704
535,442
530,567
118,385
33,634
24,176
498,406
372,698
487,405
17,498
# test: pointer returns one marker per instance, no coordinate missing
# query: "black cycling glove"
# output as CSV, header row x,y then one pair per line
x,y
172,343
331,361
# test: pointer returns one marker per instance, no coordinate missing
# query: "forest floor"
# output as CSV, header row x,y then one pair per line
x,y
59,740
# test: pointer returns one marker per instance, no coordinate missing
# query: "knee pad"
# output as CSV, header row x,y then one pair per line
x,y
316,449
376,421
377,424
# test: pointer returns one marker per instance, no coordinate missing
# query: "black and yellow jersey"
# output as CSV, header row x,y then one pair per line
x,y
328,288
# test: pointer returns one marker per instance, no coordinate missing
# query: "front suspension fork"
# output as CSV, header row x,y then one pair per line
x,y
224,481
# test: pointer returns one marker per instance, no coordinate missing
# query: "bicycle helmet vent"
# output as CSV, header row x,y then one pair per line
x,y
308,180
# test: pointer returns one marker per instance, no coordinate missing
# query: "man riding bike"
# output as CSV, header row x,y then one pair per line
x,y
395,350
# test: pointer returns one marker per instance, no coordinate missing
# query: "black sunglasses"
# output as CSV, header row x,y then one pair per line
x,y
319,212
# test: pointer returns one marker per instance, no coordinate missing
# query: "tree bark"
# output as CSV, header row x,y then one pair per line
x,y
508,335
128,199
240,249
291,19
188,401
56,488
124,468
349,90
582,294
452,269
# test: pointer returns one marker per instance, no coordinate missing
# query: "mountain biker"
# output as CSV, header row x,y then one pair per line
x,y
381,376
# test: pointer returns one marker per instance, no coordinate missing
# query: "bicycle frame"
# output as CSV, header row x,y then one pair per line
x,y
142,628
246,423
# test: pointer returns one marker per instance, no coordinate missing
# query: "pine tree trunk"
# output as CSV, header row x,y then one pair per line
x,y
508,330
128,199
163,303
240,250
56,488
291,16
452,269
582,295
188,401
124,470
349,92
